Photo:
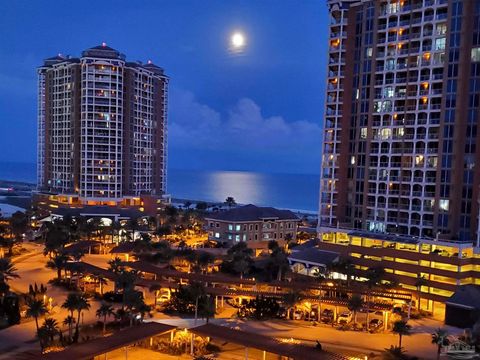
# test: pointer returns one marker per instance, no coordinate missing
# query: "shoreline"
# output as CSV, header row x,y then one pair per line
x,y
29,186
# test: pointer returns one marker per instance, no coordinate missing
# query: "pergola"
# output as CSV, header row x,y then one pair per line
x,y
118,340
263,343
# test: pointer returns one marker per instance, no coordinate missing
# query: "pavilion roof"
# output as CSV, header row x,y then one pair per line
x,y
102,345
262,342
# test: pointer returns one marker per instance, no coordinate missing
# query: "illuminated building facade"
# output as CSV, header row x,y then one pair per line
x,y
431,269
101,131
402,104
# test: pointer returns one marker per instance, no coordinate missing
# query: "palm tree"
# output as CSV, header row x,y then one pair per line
x,y
115,265
50,328
290,300
76,302
203,260
440,338
344,266
374,278
82,304
135,304
102,280
126,281
7,242
240,257
278,260
7,270
355,303
103,311
35,309
230,201
70,303
421,281
198,290
394,353
37,292
401,328
69,321
58,262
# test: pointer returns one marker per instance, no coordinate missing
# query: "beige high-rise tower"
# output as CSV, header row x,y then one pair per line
x,y
402,110
101,131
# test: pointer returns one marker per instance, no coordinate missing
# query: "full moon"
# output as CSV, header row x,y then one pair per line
x,y
238,40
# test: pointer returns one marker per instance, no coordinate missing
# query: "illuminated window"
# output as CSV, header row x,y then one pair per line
x,y
441,29
419,160
392,8
389,92
237,227
237,238
352,160
363,133
369,52
476,54
217,235
230,227
444,204
440,44
385,133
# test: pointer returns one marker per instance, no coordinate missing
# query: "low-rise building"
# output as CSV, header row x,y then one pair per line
x,y
433,270
252,223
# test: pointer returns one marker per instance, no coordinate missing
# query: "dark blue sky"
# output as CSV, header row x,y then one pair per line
x,y
261,111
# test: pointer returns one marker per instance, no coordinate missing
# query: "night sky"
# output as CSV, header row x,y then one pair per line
x,y
260,110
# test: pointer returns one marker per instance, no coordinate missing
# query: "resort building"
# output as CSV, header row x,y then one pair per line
x,y
252,224
401,115
101,132
432,270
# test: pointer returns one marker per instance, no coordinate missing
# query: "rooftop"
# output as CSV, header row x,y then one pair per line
x,y
467,296
103,345
314,255
252,213
262,342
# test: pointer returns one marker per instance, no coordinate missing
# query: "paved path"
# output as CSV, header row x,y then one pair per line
x,y
31,268
333,339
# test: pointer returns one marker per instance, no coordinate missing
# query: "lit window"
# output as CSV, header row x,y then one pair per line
x,y
363,133
419,160
476,54
237,227
369,52
440,44
385,133
230,227
237,238
444,204
352,160
217,235
441,29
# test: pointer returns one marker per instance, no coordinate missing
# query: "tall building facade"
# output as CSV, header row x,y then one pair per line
x,y
102,130
402,110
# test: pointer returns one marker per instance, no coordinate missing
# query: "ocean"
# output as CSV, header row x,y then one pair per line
x,y
289,191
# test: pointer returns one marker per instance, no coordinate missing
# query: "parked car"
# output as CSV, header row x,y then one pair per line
x,y
398,308
298,315
375,325
327,316
345,317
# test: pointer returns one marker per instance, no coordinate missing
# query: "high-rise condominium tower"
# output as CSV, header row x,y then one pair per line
x,y
402,110
101,130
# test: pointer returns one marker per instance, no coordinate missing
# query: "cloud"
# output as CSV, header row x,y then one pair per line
x,y
242,133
